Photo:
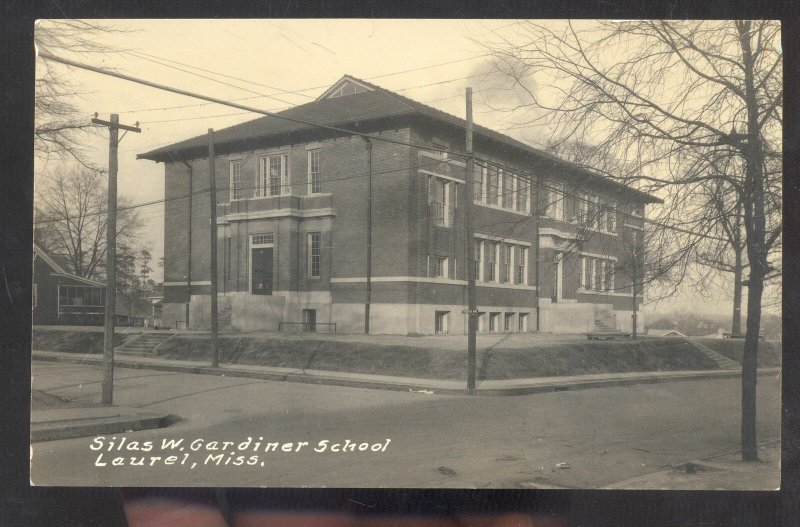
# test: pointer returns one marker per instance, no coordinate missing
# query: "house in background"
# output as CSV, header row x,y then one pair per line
x,y
664,333
292,225
61,297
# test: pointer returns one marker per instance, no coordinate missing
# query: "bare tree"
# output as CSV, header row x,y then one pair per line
x,y
669,98
61,131
71,219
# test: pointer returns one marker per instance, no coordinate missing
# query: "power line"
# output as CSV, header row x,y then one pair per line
x,y
48,56
299,91
200,117
213,79
140,54
530,176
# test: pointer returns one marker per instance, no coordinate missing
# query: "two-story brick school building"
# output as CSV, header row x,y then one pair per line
x,y
293,220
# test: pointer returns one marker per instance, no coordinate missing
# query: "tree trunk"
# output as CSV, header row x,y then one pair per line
x,y
749,369
736,321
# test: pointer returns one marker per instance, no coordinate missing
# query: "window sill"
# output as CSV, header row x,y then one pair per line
x,y
583,291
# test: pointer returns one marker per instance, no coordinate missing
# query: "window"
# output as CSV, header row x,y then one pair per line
x,y
590,271
509,182
314,254
261,239
479,261
314,183
441,267
582,208
522,322
274,179
479,183
612,216
80,299
583,277
491,262
596,271
493,185
441,322
441,188
522,265
593,219
507,252
236,179
555,201
494,321
608,275
522,192
602,275
35,295
508,322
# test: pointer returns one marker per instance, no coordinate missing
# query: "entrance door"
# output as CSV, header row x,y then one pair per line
x,y
310,320
261,278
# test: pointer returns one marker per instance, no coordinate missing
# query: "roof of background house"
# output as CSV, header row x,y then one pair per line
x,y
60,265
374,104
664,333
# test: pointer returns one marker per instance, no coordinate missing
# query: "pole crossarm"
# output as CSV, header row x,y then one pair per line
x,y
111,124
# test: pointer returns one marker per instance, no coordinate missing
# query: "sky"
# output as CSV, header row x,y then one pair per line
x,y
274,64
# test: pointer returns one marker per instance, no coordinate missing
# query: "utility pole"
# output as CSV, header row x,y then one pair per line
x,y
212,185
111,252
534,199
472,307
635,273
369,238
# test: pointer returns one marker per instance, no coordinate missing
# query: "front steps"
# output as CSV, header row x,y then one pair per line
x,y
722,361
145,344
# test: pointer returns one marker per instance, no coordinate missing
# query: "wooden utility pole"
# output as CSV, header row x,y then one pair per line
x,y
212,185
472,307
634,290
111,252
534,200
369,239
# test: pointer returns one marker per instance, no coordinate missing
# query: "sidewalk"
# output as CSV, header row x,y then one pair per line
x,y
384,382
721,472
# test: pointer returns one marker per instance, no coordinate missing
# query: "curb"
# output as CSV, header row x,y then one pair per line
x,y
389,383
54,430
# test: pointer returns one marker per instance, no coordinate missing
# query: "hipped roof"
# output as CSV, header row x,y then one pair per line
x,y
377,103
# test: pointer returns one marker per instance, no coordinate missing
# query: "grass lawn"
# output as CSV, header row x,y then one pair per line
x,y
769,352
85,340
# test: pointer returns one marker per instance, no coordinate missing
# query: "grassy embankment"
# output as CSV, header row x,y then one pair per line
x,y
769,353
573,358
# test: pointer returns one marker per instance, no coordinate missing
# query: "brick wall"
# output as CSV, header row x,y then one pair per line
x,y
405,234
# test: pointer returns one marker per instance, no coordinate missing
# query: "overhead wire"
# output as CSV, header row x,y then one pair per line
x,y
48,56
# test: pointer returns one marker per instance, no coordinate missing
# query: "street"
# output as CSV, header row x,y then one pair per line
x,y
603,435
